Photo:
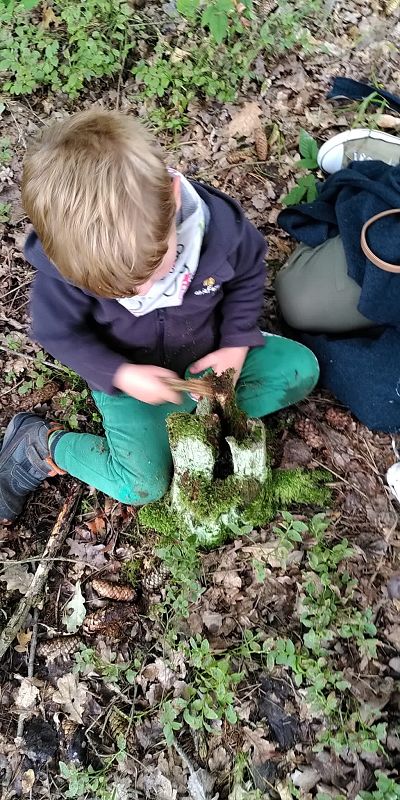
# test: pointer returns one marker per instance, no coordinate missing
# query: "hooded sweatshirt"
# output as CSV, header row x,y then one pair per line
x,y
94,336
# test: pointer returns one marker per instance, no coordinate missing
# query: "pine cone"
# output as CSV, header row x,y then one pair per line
x,y
155,578
110,621
237,156
308,431
114,591
68,727
59,647
38,396
261,144
266,7
118,723
337,418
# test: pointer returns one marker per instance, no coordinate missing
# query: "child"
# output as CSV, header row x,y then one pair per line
x,y
141,276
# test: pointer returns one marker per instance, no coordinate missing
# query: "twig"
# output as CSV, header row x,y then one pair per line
x,y
341,478
13,323
32,358
195,385
32,652
54,544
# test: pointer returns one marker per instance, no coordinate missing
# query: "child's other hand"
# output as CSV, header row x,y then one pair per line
x,y
221,360
147,383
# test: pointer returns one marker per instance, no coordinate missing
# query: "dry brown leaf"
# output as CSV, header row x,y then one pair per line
x,y
49,18
28,779
17,577
26,695
157,785
92,554
263,749
245,121
97,525
159,671
23,637
229,579
213,621
305,778
388,122
72,696
393,634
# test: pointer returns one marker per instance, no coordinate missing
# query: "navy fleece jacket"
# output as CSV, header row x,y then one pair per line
x,y
362,371
94,336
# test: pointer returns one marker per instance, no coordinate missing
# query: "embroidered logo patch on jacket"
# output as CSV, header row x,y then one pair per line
x,y
209,286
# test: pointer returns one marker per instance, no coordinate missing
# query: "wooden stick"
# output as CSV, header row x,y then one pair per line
x,y
32,651
194,385
33,595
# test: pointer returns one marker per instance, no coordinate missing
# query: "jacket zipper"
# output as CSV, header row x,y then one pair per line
x,y
161,333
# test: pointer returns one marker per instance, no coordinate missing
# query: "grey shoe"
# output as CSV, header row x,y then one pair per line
x,y
358,144
25,461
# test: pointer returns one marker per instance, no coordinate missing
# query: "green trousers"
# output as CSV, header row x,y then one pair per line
x,y
133,463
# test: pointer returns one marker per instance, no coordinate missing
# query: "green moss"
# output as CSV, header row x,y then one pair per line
x,y
182,425
130,572
300,486
159,517
208,501
262,508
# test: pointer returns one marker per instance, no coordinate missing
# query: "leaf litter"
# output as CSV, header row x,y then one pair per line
x,y
97,653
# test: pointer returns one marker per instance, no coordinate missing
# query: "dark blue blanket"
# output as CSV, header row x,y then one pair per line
x,y
363,372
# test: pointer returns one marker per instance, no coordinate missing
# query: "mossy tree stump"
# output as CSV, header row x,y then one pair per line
x,y
222,474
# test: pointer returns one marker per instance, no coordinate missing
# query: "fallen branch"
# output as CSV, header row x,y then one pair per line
x,y
23,715
33,595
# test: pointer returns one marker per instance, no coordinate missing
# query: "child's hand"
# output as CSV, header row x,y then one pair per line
x,y
147,383
221,360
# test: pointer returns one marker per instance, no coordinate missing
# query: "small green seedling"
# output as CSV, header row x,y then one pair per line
x,y
306,187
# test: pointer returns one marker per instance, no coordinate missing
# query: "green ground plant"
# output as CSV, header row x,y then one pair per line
x,y
179,553
5,211
5,152
89,782
306,186
327,614
210,53
222,40
209,698
39,371
76,42
88,660
386,789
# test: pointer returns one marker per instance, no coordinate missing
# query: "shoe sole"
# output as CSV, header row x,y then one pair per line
x,y
351,136
9,432
6,448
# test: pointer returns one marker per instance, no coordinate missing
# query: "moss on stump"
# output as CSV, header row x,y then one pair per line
x,y
208,506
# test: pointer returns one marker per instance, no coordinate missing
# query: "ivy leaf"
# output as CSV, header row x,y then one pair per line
x,y
308,147
75,611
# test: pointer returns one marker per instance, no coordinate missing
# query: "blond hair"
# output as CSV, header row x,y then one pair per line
x,y
98,193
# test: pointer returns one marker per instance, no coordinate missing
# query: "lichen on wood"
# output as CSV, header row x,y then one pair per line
x,y
222,473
